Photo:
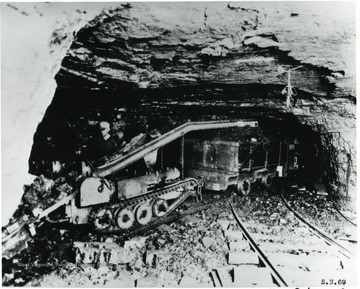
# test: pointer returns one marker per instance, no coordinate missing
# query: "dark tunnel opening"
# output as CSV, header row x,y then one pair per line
x,y
70,124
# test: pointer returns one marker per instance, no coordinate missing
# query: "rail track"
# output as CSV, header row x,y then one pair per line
x,y
342,215
263,260
301,255
316,231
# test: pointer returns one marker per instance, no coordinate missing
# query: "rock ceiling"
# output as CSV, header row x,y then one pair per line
x,y
188,60
148,46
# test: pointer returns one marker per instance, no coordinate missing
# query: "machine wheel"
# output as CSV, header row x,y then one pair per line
x,y
244,186
124,218
266,180
143,214
103,219
160,207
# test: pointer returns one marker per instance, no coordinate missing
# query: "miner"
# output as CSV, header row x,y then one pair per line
x,y
109,143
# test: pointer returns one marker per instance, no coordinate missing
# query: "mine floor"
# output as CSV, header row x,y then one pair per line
x,y
204,248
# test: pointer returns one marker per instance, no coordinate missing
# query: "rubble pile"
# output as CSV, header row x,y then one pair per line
x,y
180,254
46,252
42,193
320,209
266,207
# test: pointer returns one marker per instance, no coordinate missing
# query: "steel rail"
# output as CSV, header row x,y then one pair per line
x,y
317,231
274,273
342,215
123,161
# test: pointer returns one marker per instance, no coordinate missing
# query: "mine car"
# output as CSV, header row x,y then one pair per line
x,y
227,158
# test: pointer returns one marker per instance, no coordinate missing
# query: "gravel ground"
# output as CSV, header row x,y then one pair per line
x,y
322,211
182,253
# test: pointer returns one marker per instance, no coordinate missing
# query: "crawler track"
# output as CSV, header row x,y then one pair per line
x,y
153,194
171,217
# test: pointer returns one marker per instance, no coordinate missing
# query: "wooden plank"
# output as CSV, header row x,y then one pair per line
x,y
215,279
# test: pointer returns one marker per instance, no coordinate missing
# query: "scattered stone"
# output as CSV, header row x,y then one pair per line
x,y
161,242
223,215
213,247
62,231
19,281
166,228
138,243
233,235
224,224
208,242
42,183
212,225
8,276
162,256
138,264
282,221
190,220
65,190
37,211
193,253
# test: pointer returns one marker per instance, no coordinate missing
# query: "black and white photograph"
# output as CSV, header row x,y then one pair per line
x,y
179,144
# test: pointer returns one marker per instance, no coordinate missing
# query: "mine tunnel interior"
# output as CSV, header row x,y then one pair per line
x,y
71,124
144,71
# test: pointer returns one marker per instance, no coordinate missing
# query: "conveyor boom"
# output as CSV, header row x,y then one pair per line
x,y
137,154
